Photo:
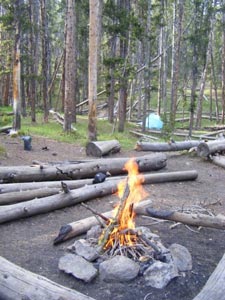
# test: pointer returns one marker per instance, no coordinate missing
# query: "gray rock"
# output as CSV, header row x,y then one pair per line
x,y
118,269
159,274
147,232
83,248
78,267
94,232
181,256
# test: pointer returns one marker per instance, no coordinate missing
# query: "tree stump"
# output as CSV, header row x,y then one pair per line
x,y
102,148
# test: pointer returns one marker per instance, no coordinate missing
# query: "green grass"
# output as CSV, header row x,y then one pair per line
x,y
54,131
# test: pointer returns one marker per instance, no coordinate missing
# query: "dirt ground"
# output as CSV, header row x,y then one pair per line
x,y
29,242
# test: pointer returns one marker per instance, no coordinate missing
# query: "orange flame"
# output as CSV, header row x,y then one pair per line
x,y
125,216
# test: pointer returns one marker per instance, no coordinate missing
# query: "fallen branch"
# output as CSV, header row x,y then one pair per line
x,y
218,160
214,288
101,148
18,283
189,219
71,230
115,166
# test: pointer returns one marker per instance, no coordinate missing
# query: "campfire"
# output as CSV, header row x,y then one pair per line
x,y
121,251
120,236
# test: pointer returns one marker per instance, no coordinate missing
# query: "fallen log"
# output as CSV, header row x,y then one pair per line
x,y
101,148
16,192
74,229
115,166
205,149
189,219
218,160
214,289
64,199
170,146
18,283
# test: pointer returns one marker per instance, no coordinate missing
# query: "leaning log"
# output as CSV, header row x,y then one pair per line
x,y
102,148
205,149
115,166
44,189
74,229
170,146
188,219
18,283
214,289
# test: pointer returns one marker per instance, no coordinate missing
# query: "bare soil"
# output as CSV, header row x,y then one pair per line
x,y
29,242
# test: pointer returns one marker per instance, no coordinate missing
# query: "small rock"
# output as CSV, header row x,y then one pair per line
x,y
118,269
78,267
159,274
83,248
181,257
94,232
147,232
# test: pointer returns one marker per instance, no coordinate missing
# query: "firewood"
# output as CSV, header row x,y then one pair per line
x,y
189,219
218,160
214,287
205,149
115,166
18,192
74,229
102,148
18,283
170,146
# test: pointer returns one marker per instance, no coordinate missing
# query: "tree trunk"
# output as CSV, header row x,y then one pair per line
x,y
214,287
70,67
18,283
205,149
82,170
99,149
219,161
17,70
14,193
223,64
172,146
94,38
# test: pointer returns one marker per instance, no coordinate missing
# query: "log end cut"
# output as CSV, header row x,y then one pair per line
x,y
102,148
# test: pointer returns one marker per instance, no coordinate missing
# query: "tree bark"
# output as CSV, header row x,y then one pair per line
x,y
99,149
189,219
214,287
205,149
18,283
17,192
171,146
154,161
73,229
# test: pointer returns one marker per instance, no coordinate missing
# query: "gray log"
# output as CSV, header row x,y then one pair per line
x,y
17,193
205,149
219,161
83,170
214,288
74,229
170,146
18,283
101,148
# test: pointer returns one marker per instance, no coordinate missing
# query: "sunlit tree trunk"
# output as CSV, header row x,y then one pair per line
x,y
45,60
177,35
70,67
223,62
94,38
17,70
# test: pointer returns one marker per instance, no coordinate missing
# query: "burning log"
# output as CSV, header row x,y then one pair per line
x,y
214,287
18,283
205,149
101,148
77,228
170,146
73,184
83,170
189,219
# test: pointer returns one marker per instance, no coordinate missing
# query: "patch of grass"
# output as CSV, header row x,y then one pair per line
x,y
54,131
2,151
